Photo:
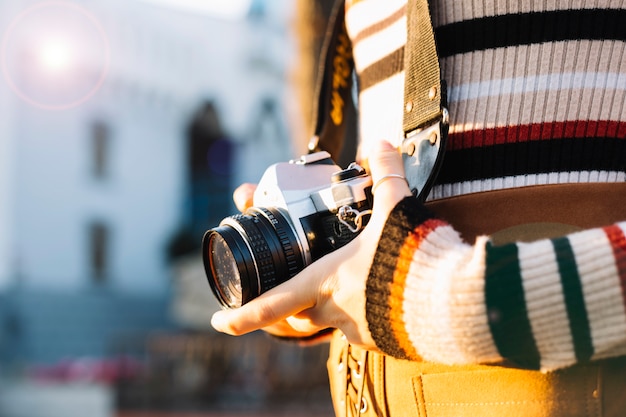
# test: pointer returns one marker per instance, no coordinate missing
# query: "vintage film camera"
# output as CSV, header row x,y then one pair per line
x,y
302,210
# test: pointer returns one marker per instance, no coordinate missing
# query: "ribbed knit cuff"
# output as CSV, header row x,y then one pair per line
x,y
383,297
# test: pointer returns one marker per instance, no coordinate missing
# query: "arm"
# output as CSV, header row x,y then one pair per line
x,y
540,305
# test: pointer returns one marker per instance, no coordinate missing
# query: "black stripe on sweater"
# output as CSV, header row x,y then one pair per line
x,y
381,70
530,28
506,307
535,157
509,30
574,299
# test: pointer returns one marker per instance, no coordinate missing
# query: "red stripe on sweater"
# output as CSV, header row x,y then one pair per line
x,y
411,244
618,243
538,131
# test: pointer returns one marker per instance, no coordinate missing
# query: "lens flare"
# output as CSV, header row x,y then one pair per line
x,y
55,55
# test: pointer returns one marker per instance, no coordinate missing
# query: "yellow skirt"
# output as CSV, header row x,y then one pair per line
x,y
370,384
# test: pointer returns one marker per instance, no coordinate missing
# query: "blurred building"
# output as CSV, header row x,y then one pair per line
x,y
97,177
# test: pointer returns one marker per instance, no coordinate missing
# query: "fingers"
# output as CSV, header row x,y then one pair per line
x,y
285,329
243,196
387,172
285,300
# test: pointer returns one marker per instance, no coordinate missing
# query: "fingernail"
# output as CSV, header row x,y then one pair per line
x,y
217,321
384,145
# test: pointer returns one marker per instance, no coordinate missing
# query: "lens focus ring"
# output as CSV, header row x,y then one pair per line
x,y
293,258
261,252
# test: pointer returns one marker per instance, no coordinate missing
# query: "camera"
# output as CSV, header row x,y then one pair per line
x,y
302,210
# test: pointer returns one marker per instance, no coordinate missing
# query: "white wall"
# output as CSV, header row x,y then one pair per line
x,y
6,188
162,66
7,166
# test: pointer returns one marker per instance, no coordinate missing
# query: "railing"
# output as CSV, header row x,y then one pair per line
x,y
252,373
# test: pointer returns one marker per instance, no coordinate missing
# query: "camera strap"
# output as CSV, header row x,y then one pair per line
x,y
334,85
425,121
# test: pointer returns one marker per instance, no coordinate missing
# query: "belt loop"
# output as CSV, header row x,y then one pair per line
x,y
349,378
354,371
361,405
343,369
356,378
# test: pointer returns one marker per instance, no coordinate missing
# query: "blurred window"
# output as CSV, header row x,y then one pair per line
x,y
100,144
99,236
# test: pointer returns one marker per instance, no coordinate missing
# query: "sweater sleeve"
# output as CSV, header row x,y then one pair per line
x,y
541,305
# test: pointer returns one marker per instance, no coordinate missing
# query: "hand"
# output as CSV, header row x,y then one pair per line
x,y
331,291
243,196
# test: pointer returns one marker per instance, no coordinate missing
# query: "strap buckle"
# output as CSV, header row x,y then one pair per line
x,y
422,154
348,216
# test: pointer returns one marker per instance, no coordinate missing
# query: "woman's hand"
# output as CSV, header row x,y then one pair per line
x,y
243,196
331,291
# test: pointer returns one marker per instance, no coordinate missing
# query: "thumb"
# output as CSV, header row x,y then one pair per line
x,y
390,185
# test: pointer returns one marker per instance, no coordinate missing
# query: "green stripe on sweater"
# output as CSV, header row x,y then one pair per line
x,y
506,307
574,299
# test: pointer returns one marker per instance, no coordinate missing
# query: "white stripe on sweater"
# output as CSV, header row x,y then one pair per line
x,y
545,303
383,121
535,59
492,184
456,11
364,14
376,47
444,266
601,289
532,84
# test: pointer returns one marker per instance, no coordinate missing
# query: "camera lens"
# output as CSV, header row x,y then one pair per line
x,y
250,253
223,264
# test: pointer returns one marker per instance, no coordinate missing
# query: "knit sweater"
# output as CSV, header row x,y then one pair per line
x,y
537,95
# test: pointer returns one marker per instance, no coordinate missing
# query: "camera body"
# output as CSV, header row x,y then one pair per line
x,y
302,210
310,191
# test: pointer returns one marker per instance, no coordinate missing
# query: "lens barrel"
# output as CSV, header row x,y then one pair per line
x,y
250,253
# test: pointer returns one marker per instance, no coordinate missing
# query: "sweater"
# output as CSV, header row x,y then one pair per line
x,y
537,95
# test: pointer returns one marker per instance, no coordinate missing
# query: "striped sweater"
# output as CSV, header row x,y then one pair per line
x,y
537,95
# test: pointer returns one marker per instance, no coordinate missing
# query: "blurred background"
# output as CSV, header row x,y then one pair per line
x,y
125,125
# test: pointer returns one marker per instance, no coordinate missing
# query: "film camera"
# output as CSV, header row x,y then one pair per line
x,y
302,210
